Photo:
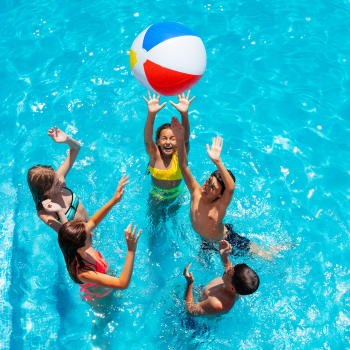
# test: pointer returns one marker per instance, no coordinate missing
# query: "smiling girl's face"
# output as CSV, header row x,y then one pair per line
x,y
167,142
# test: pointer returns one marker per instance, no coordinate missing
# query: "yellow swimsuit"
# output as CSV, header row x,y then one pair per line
x,y
174,173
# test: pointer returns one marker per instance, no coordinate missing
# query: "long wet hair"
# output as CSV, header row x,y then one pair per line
x,y
71,237
40,179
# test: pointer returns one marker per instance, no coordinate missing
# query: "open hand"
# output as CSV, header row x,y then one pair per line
x,y
224,249
216,147
177,128
57,135
131,239
153,103
188,276
184,103
120,190
51,207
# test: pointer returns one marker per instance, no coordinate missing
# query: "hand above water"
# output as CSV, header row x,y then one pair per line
x,y
177,128
131,239
224,249
120,190
51,207
58,135
215,151
189,277
153,103
184,103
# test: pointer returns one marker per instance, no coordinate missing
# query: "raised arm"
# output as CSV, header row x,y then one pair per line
x,y
210,306
214,154
182,107
100,215
179,132
153,109
59,136
122,282
224,250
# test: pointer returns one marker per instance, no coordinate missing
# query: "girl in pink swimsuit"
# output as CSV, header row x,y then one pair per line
x,y
85,265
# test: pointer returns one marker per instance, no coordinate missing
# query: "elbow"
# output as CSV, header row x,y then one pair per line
x,y
123,285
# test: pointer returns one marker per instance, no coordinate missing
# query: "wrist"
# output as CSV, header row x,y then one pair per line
x,y
184,114
152,114
115,200
217,161
180,138
73,143
225,260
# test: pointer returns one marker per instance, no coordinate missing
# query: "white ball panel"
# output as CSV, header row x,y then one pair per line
x,y
185,54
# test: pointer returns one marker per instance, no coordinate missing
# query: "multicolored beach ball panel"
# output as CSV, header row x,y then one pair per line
x,y
168,58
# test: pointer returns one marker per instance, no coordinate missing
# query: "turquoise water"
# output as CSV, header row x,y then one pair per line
x,y
275,88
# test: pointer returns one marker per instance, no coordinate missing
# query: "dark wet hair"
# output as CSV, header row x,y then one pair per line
x,y
245,280
40,179
71,237
218,177
161,128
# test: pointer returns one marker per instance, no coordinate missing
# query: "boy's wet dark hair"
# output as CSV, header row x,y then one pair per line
x,y
161,128
245,280
218,177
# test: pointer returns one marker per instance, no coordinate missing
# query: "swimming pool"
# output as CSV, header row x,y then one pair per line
x,y
275,89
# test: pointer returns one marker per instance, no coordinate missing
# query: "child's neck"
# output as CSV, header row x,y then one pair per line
x,y
166,158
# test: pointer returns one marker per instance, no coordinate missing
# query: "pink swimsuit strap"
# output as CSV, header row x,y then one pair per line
x,y
101,267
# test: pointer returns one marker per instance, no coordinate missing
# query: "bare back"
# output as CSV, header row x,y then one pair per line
x,y
214,289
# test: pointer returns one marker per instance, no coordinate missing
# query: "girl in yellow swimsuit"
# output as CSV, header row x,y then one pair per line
x,y
163,160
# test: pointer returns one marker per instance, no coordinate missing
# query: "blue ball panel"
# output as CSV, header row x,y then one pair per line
x,y
162,31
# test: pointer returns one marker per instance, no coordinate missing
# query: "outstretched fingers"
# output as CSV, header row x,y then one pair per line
x,y
133,232
186,268
127,231
138,235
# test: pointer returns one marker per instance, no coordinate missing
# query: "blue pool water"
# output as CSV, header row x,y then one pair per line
x,y
276,89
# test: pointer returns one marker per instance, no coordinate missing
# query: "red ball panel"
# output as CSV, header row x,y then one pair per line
x,y
168,82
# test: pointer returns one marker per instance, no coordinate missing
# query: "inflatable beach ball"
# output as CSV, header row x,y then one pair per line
x,y
168,58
